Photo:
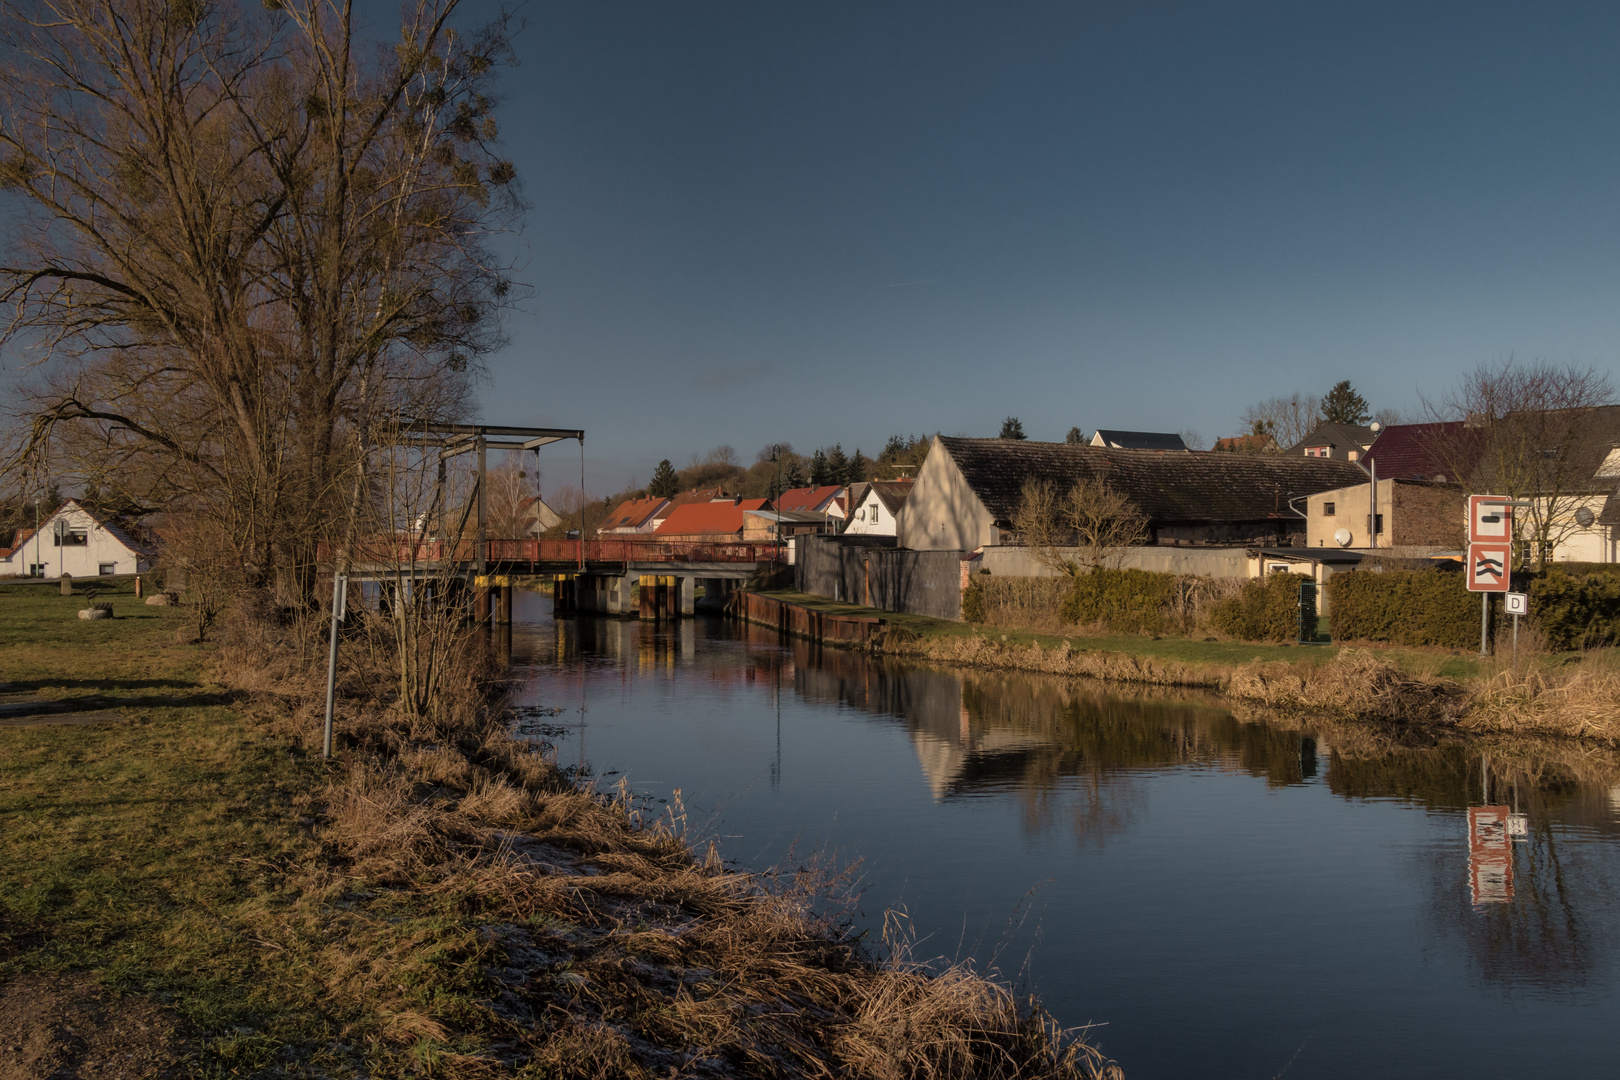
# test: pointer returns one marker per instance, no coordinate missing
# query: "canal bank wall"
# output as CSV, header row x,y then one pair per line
x,y
828,628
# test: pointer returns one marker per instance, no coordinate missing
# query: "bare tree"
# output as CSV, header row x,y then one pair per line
x,y
243,236
1039,525
1193,439
1286,419
1091,517
1104,521
509,511
1529,432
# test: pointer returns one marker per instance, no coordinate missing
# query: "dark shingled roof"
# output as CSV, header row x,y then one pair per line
x,y
1425,451
1189,487
1141,440
1343,437
892,492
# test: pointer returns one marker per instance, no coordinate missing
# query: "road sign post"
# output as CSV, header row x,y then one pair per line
x,y
1516,604
1490,555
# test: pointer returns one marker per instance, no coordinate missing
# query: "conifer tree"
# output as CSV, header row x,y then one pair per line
x,y
859,468
1075,437
837,465
664,482
1343,405
793,476
1012,428
819,474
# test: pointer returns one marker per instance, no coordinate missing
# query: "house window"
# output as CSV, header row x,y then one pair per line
x,y
36,569
1378,523
1328,509
107,568
71,538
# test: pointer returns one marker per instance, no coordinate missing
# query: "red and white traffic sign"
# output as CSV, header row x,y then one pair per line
x,y
1487,523
1489,567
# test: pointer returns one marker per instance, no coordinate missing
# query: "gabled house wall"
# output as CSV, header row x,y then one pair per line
x,y
105,550
942,512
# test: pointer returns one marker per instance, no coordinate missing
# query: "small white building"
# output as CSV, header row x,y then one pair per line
x,y
74,541
878,511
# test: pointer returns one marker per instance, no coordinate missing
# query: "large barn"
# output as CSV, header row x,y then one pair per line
x,y
968,490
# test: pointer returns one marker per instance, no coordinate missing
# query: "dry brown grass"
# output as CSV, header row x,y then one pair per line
x,y
497,919
972,650
1354,683
1579,702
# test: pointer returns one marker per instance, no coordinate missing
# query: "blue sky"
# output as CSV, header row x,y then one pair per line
x,y
834,221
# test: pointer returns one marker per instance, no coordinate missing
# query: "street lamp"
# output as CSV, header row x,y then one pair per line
x,y
1372,496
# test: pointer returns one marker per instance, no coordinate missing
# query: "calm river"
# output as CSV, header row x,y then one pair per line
x,y
1222,898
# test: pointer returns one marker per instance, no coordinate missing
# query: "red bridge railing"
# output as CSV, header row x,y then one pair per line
x,y
617,549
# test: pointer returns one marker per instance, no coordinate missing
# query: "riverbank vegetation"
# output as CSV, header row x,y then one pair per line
x,y
1530,689
438,900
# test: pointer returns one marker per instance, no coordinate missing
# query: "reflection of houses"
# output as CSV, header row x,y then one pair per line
x,y
77,542
968,491
877,510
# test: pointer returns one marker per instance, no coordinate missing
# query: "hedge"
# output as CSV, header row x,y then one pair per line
x,y
1430,607
1128,601
1576,612
1266,609
1404,607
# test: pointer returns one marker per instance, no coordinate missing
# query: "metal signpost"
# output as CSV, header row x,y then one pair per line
x,y
340,595
1516,604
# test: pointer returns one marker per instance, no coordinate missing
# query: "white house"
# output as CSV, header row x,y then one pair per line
x,y
74,541
878,511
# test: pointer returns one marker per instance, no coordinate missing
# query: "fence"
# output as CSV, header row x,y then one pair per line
x,y
890,579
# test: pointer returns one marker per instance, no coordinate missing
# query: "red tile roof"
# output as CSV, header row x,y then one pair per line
x,y
22,537
1244,444
634,513
709,518
808,498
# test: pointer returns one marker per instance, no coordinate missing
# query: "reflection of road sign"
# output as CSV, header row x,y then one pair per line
x,y
1487,522
1490,855
1488,567
1516,603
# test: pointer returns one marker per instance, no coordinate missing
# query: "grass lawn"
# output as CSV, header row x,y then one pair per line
x,y
145,851
1184,650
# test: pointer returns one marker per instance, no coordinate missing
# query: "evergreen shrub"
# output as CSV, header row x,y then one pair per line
x,y
973,602
1404,607
1576,612
1127,601
1265,609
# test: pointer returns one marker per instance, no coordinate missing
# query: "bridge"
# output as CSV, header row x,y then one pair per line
x,y
588,576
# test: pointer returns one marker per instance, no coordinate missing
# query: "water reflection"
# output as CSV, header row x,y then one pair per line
x,y
1245,877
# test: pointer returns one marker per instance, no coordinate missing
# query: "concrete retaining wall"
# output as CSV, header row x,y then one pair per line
x,y
917,582
1213,562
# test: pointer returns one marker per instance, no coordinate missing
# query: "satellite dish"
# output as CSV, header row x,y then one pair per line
x,y
1584,517
1342,537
